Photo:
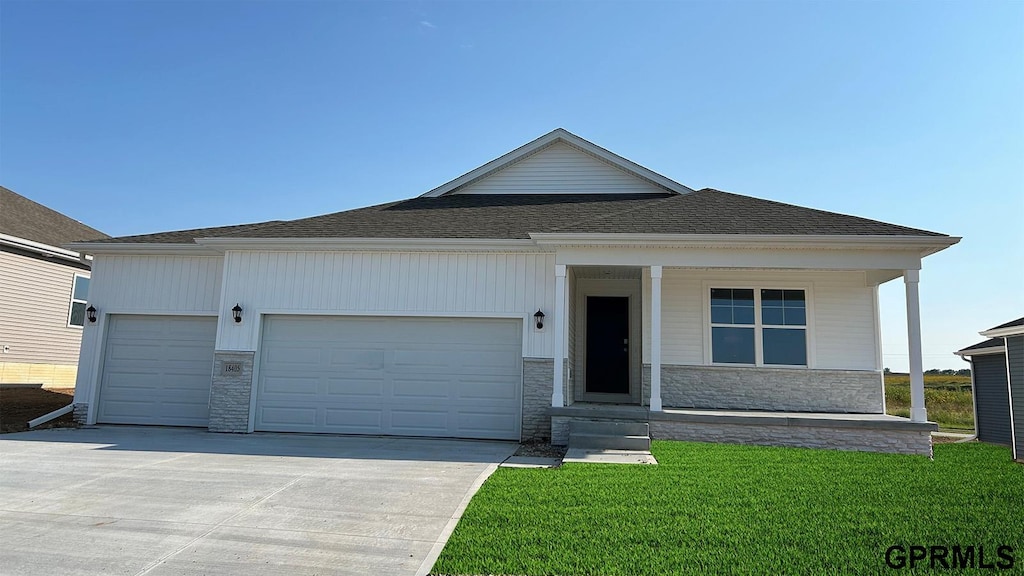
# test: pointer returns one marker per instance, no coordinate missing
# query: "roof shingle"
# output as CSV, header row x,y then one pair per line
x,y
515,216
30,220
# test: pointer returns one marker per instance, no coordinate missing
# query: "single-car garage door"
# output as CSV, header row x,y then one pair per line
x,y
442,377
157,370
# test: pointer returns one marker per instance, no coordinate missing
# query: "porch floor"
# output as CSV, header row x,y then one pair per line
x,y
750,417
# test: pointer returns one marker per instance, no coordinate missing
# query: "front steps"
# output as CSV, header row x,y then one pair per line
x,y
609,435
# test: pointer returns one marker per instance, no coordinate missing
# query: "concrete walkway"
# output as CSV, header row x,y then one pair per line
x,y
161,501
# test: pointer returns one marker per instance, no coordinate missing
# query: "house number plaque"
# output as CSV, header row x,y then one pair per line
x,y
231,368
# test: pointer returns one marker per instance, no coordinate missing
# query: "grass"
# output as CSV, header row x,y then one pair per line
x,y
947,399
723,509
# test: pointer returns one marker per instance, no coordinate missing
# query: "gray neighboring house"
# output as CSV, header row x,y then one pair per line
x,y
556,286
43,288
997,376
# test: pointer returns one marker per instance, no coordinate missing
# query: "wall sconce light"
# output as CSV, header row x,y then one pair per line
x,y
236,312
90,313
539,317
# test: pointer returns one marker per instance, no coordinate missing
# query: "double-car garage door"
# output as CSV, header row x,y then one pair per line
x,y
440,377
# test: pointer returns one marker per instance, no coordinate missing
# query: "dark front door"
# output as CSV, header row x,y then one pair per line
x,y
607,344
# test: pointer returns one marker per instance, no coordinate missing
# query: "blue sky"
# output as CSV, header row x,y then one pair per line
x,y
147,116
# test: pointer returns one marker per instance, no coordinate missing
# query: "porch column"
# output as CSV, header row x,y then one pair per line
x,y
656,338
557,396
917,410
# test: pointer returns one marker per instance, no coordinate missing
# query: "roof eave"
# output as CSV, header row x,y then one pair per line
x,y
39,247
142,248
925,244
980,351
326,244
1003,332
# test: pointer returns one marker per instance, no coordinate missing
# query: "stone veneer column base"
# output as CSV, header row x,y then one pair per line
x,y
538,377
230,393
917,442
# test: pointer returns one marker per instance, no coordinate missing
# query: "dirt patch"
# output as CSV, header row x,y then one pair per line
x,y
540,449
19,405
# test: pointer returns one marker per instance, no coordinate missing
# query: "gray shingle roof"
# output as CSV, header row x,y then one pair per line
x,y
30,220
1017,322
990,343
515,216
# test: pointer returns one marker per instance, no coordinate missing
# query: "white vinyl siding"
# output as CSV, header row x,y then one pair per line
x,y
560,169
396,283
840,308
156,283
440,377
36,295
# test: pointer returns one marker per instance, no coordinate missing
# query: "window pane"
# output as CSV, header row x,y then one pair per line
x,y
785,346
81,291
732,345
796,317
743,315
77,314
771,298
794,298
772,316
721,297
721,314
743,298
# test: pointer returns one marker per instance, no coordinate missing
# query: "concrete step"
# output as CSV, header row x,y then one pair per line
x,y
609,442
609,428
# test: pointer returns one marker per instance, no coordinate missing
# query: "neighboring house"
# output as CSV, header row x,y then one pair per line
x,y
43,290
997,377
558,282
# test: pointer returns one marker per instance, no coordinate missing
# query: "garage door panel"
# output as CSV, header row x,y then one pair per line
x,y
488,424
357,359
355,420
283,385
157,370
445,377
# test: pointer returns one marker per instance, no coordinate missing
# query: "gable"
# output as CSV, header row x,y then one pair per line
x,y
560,169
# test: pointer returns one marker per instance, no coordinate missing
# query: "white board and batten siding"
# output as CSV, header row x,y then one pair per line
x,y
157,285
842,311
560,169
414,284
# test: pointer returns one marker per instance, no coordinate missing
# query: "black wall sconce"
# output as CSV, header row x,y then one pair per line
x,y
539,317
90,313
236,313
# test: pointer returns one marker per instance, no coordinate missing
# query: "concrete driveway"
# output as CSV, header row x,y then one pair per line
x,y
138,500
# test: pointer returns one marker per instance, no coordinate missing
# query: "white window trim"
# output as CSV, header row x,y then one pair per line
x,y
72,301
807,287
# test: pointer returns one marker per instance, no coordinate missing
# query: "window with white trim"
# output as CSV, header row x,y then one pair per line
x,y
79,293
759,327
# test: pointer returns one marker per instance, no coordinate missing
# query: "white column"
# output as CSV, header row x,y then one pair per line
x,y
656,338
917,410
557,397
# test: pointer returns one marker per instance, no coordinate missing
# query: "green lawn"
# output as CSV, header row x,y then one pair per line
x,y
717,508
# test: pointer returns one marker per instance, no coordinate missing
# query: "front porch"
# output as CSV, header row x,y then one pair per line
x,y
795,362
865,432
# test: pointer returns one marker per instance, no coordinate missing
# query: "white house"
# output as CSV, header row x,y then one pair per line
x,y
557,283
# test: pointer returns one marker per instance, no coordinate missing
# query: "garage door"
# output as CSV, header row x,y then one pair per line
x,y
436,377
157,370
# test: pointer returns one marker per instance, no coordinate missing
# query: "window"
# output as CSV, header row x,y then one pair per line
x,y
761,327
79,293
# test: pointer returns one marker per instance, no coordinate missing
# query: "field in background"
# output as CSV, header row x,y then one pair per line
x,y
947,399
